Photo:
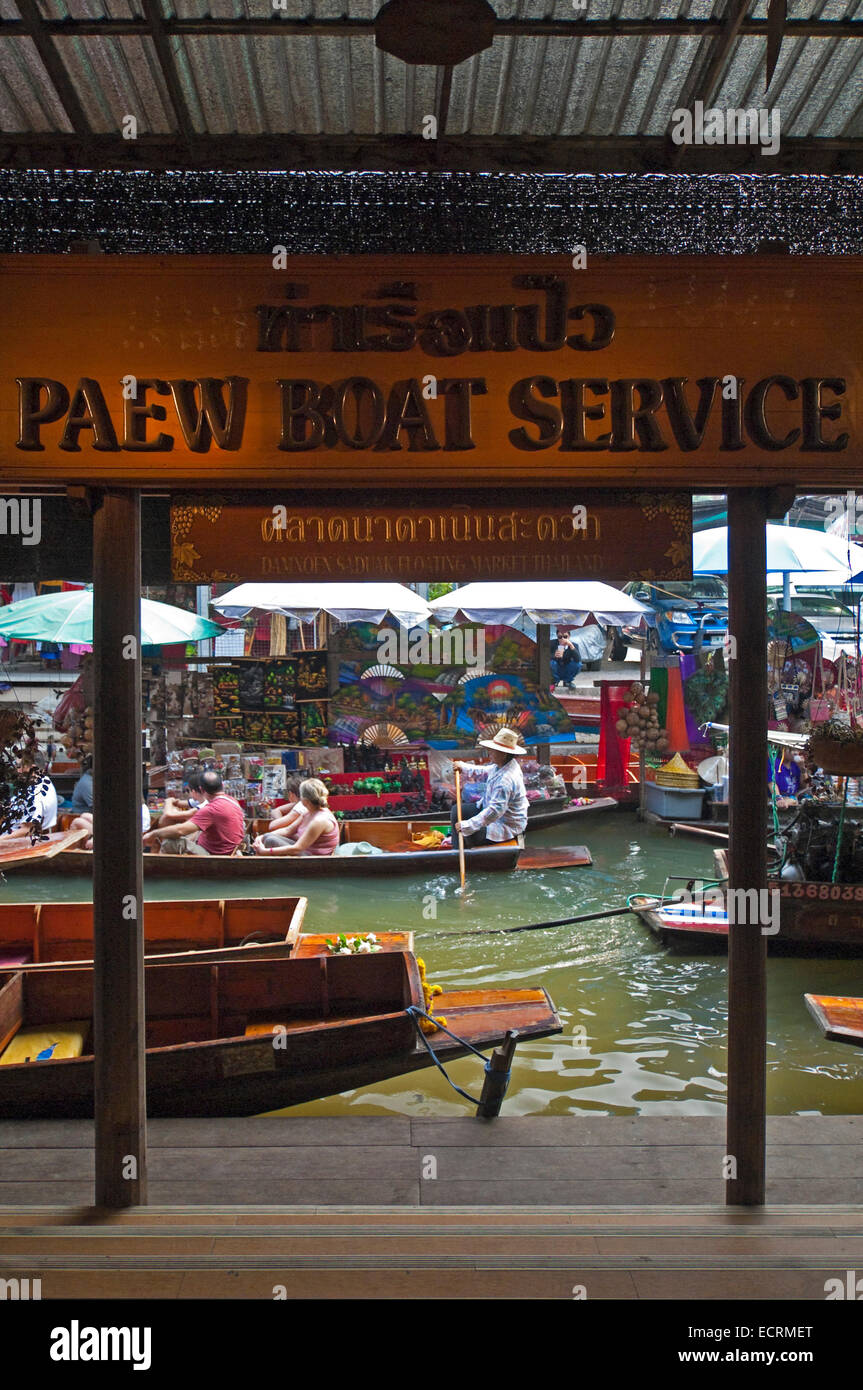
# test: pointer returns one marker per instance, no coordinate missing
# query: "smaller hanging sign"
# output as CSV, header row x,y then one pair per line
x,y
432,536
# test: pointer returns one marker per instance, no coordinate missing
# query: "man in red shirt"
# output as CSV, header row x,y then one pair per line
x,y
217,827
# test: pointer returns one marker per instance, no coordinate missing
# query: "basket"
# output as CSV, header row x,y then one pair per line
x,y
839,757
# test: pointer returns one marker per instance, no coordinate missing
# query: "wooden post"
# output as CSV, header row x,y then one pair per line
x,y
118,920
747,946
543,678
642,758
496,1080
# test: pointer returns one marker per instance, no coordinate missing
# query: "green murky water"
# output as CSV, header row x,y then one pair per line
x,y
644,1027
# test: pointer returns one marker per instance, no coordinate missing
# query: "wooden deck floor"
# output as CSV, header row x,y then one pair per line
x,y
371,1161
332,1208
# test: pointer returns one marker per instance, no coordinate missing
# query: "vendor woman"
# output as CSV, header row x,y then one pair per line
x,y
503,813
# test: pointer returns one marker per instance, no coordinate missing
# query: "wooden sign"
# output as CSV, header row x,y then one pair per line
x,y
427,372
401,537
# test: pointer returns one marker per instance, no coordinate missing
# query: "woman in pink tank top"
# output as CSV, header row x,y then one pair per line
x,y
317,832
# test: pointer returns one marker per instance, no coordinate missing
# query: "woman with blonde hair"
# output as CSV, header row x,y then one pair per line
x,y
317,831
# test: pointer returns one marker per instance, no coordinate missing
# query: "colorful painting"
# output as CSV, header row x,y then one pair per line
x,y
478,707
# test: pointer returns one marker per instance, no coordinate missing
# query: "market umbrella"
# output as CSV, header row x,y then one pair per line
x,y
349,603
69,618
790,549
542,601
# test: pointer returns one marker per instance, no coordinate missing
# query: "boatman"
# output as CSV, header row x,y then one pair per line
x,y
502,812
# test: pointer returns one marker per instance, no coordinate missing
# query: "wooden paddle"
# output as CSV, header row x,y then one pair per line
x,y
212,955
460,835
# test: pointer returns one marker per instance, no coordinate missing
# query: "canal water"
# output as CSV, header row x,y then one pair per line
x,y
644,1026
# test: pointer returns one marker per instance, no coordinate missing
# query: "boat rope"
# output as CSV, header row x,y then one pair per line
x,y
835,873
415,1013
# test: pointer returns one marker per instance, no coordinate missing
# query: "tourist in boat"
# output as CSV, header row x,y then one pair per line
x,y
82,792
34,806
85,822
318,829
286,820
177,809
501,814
218,827
565,659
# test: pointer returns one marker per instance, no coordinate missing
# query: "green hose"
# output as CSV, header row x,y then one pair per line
x,y
839,832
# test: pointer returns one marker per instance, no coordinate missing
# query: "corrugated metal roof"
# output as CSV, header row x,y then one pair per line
x,y
529,85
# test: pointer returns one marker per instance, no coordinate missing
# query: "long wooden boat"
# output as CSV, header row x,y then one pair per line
x,y
64,930
399,856
246,1036
816,918
540,819
229,868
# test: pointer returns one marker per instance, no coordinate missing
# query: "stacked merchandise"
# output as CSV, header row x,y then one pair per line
x,y
257,701
676,773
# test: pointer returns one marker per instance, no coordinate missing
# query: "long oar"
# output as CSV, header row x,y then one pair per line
x,y
539,926
460,835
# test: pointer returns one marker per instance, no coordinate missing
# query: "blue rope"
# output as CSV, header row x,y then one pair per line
x,y
415,1013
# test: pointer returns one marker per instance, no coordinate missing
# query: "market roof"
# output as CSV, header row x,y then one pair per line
x,y
540,601
235,84
347,602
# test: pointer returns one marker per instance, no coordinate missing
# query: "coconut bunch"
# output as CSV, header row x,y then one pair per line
x,y
639,721
81,732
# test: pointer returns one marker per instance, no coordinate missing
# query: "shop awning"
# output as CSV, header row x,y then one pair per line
x,y
349,603
541,601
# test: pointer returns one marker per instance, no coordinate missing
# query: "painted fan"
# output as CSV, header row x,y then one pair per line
x,y
383,735
382,678
473,673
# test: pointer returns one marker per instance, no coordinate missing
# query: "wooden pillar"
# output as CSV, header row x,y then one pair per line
x,y
543,678
118,923
747,946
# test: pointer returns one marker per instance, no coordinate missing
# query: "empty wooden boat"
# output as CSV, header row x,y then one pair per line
x,y
246,1036
64,930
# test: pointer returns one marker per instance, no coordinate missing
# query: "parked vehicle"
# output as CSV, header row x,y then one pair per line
x,y
686,613
827,615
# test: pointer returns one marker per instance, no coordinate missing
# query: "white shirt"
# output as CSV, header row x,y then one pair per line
x,y
38,803
504,802
146,818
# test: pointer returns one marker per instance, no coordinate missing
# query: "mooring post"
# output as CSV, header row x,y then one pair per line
x,y
118,919
497,1077
747,806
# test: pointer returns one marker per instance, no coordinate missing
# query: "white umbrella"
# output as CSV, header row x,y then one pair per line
x,y
540,601
790,549
349,603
